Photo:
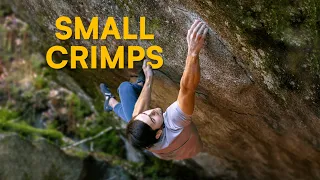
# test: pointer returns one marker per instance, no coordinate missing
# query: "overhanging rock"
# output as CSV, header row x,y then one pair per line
x,y
254,111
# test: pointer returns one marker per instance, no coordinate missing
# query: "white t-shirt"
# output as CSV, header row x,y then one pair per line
x,y
180,138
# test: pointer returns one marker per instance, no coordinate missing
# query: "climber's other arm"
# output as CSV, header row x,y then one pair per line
x,y
191,75
143,102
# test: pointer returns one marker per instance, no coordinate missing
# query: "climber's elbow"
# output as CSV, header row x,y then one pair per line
x,y
186,100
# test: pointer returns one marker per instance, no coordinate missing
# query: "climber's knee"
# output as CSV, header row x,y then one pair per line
x,y
124,87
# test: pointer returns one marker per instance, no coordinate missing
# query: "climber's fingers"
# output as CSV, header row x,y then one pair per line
x,y
201,31
147,69
195,30
145,63
204,33
196,22
191,28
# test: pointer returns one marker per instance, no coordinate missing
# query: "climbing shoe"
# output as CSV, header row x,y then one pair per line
x,y
107,94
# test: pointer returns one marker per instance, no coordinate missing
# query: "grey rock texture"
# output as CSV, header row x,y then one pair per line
x,y
24,160
257,108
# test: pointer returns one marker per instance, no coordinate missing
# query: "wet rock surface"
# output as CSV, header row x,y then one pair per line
x,y
256,111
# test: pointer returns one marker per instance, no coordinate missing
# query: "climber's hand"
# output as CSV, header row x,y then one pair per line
x,y
147,69
196,36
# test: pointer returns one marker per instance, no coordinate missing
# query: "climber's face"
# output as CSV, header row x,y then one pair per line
x,y
152,117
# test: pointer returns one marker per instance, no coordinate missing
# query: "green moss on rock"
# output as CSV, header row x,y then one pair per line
x,y
288,31
26,130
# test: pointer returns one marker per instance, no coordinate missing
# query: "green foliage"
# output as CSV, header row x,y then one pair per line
x,y
24,129
79,153
53,125
161,169
49,73
36,61
109,142
40,82
28,87
4,10
7,114
78,107
156,168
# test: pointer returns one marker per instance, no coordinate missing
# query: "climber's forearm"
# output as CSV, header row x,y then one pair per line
x,y
191,75
144,100
188,84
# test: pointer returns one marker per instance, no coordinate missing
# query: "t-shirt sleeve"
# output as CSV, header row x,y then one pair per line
x,y
176,118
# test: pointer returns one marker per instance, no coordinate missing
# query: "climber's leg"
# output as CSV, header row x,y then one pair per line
x,y
129,93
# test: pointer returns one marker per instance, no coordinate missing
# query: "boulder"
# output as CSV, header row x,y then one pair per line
x,y
257,106
22,159
25,160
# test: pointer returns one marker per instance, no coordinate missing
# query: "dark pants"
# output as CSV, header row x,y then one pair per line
x,y
129,93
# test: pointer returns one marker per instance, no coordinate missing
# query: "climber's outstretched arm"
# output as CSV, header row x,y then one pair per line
x,y
144,100
191,75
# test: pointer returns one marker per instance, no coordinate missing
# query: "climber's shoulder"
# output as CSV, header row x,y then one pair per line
x,y
175,118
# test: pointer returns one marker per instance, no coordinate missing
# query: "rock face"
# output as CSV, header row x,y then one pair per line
x,y
41,160
257,106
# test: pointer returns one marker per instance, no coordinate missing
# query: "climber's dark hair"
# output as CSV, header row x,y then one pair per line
x,y
140,134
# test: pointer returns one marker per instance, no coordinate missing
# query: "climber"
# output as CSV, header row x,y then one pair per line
x,y
168,135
